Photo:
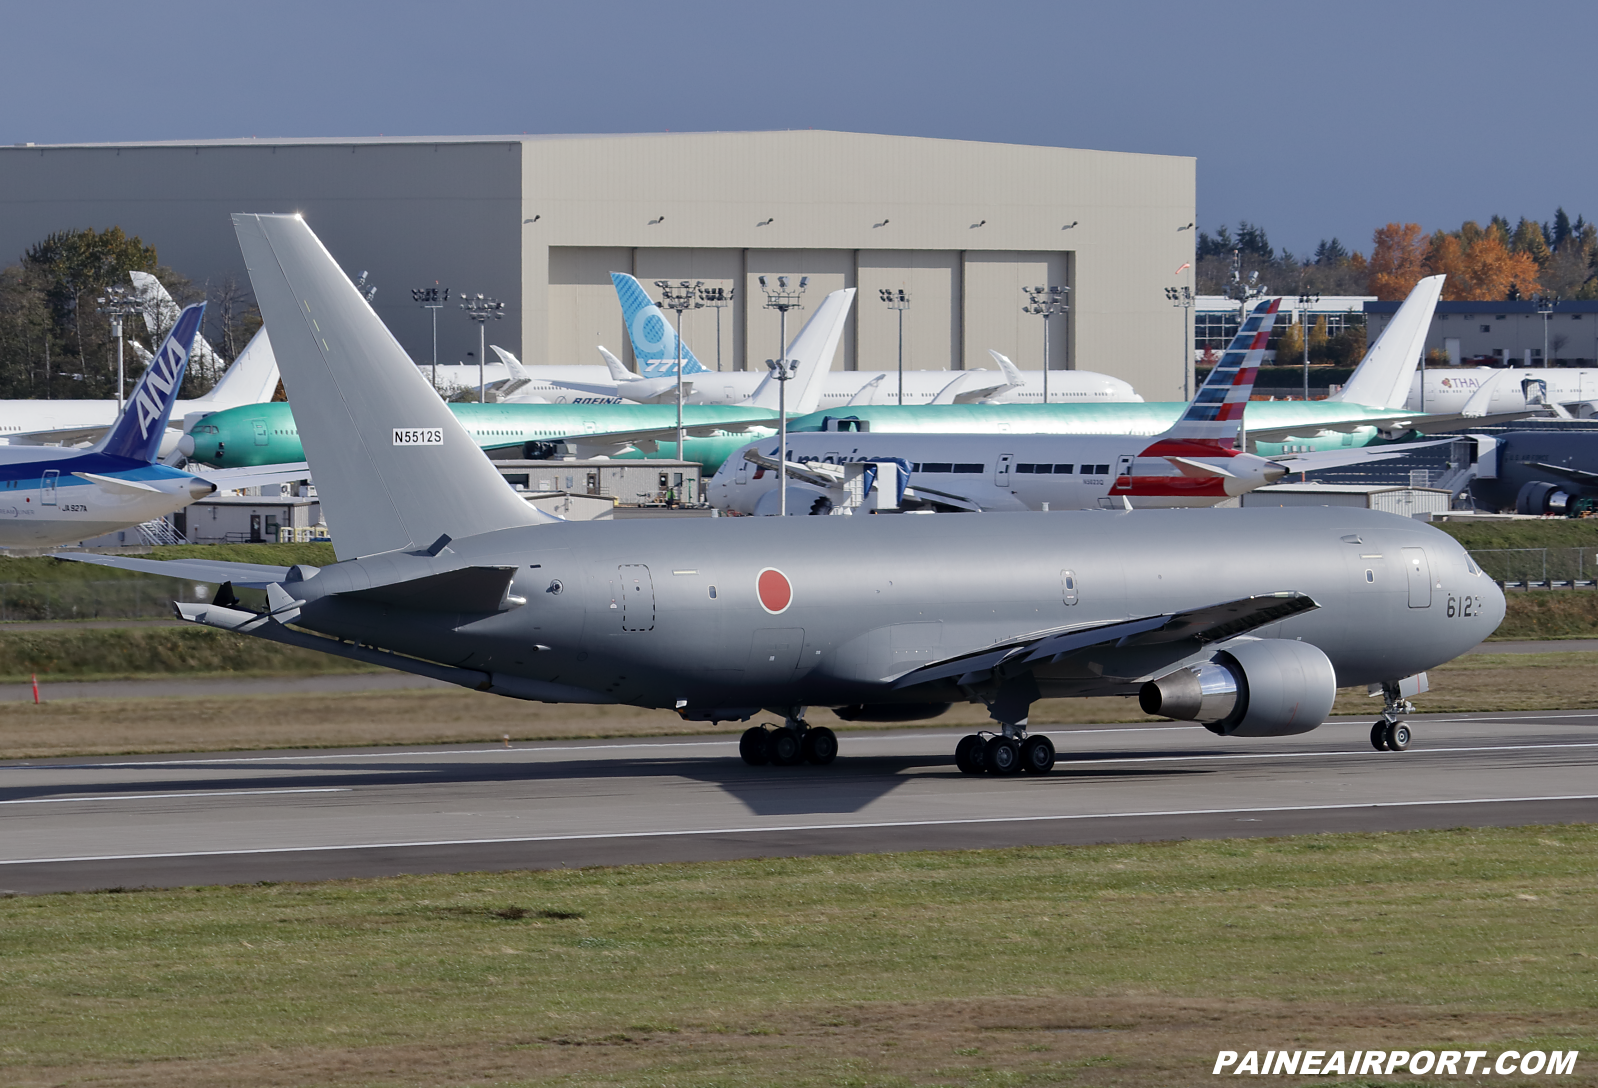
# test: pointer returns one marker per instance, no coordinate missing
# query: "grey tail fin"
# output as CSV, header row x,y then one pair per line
x,y
394,468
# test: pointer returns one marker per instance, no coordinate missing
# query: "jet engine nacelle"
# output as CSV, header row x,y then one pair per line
x,y
1541,497
1269,687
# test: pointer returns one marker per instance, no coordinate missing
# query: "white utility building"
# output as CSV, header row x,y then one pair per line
x,y
539,222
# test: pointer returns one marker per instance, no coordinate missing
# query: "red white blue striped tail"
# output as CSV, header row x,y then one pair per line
x,y
1217,411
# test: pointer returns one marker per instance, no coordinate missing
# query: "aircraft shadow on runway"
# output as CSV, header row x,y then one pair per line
x,y
848,785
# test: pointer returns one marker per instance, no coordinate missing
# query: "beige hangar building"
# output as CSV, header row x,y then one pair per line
x,y
539,222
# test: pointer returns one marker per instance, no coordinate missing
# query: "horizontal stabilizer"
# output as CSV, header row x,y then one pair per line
x,y
116,483
469,589
215,571
232,479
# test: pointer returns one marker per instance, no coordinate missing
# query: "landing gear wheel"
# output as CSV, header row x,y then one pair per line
x,y
1397,736
1002,756
820,745
1379,735
1037,755
968,754
783,748
752,745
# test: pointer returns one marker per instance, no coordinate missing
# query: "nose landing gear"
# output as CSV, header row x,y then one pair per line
x,y
1390,734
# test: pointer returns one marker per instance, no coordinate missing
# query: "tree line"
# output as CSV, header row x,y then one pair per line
x,y
55,344
1557,258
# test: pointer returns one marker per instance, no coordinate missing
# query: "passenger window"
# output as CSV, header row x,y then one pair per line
x,y
1370,576
1068,586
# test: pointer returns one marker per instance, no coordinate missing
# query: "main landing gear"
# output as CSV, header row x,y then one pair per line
x,y
1008,752
1390,734
789,744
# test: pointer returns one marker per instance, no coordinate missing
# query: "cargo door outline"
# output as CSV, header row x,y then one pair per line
x,y
1420,577
637,597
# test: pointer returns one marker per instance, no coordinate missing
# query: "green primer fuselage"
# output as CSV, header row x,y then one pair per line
x,y
265,434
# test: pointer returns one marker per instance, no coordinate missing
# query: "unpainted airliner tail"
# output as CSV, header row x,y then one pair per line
x,y
1383,377
394,468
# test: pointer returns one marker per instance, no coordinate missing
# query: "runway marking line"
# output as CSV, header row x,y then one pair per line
x,y
788,828
159,796
731,743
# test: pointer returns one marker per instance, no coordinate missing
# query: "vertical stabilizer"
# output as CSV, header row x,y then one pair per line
x,y
394,468
1216,412
161,312
1384,376
138,431
654,340
813,349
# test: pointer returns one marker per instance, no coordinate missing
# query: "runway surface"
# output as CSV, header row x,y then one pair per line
x,y
139,821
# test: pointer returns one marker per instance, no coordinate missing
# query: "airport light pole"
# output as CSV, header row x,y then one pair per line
x,y
480,309
1182,298
432,298
897,300
678,297
1545,306
717,298
1304,302
783,298
782,370
120,302
1045,302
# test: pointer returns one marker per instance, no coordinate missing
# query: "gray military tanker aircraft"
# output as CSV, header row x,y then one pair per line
x,y
1244,620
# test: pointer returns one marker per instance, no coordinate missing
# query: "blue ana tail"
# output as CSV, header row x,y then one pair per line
x,y
136,434
654,341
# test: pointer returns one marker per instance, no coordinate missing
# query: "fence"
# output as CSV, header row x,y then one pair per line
x,y
119,599
1518,568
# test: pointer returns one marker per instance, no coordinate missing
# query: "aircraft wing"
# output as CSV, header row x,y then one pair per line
x,y
1185,632
1575,475
1414,421
216,571
1355,455
60,436
669,434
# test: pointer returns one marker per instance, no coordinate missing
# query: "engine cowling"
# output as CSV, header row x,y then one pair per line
x,y
1540,497
1268,687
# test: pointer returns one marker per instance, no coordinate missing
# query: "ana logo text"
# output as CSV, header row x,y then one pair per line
x,y
163,375
418,436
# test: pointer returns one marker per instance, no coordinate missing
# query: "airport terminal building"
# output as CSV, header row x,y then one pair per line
x,y
539,222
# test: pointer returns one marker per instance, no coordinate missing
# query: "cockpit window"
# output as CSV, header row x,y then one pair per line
x,y
1470,565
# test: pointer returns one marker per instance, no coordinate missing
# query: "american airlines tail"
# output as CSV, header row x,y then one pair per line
x,y
1212,420
654,340
394,468
137,433
1383,377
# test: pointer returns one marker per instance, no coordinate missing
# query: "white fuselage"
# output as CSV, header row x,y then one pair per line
x,y
1007,472
1514,389
44,501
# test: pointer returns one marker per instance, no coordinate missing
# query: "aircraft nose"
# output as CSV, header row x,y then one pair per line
x,y
1493,598
186,445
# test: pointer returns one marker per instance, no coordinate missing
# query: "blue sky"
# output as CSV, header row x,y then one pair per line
x,y
1312,119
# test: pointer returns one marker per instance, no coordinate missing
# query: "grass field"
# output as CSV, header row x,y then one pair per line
x,y
104,726
1103,965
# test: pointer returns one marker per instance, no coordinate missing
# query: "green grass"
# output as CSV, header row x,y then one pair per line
x,y
142,652
694,974
1542,533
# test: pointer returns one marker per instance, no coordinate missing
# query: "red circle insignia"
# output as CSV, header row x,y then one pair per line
x,y
775,593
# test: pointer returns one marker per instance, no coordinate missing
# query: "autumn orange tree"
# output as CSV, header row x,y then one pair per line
x,y
1397,260
1480,263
